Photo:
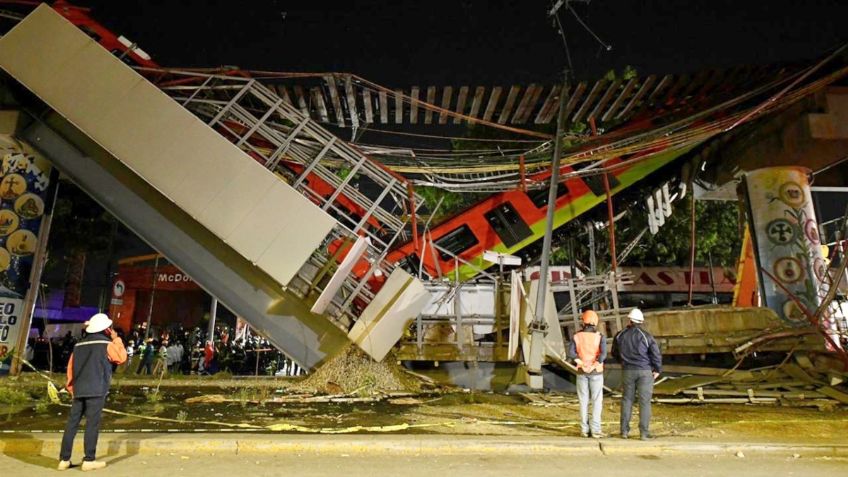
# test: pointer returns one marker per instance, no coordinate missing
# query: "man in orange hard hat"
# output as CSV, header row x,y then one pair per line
x,y
588,349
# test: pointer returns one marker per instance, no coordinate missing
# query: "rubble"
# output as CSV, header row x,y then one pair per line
x,y
352,372
798,378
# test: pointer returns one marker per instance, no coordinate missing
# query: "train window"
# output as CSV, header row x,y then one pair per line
x,y
540,196
88,31
596,184
456,242
509,226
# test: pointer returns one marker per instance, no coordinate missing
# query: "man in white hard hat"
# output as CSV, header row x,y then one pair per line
x,y
641,364
89,376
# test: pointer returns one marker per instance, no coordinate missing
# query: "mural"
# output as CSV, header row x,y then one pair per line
x,y
24,183
793,268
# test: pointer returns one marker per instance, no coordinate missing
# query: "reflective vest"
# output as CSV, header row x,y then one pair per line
x,y
588,345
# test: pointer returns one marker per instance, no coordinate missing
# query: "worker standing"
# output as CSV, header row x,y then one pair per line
x,y
641,364
588,349
89,376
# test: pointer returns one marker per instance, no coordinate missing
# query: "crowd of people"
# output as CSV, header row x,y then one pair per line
x,y
176,350
182,351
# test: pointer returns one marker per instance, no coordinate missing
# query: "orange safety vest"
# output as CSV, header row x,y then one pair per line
x,y
588,346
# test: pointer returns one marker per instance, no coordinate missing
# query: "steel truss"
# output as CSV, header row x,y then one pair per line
x,y
328,171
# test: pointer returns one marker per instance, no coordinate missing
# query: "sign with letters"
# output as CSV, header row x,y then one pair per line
x,y
24,185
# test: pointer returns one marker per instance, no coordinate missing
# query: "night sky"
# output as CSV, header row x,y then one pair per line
x,y
475,42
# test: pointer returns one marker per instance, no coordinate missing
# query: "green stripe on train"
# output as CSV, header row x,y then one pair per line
x,y
576,207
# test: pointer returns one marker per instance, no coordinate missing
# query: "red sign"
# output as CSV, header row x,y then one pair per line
x,y
670,280
168,277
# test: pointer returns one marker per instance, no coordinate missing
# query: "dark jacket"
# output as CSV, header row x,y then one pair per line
x,y
635,348
90,366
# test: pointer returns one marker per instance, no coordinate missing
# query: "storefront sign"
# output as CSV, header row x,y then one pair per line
x,y
677,279
168,277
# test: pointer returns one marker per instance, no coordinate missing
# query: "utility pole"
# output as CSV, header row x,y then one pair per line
x,y
538,327
152,297
213,313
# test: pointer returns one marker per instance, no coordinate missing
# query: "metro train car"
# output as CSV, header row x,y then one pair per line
x,y
509,221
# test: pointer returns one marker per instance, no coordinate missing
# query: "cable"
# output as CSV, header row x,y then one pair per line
x,y
564,43
607,46
454,138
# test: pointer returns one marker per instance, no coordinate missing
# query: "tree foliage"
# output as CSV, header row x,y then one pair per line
x,y
716,236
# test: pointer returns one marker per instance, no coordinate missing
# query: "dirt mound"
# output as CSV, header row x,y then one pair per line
x,y
354,372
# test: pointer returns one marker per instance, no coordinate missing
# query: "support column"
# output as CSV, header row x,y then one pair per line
x,y
213,313
791,267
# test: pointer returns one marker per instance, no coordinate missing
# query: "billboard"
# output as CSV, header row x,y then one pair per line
x,y
24,184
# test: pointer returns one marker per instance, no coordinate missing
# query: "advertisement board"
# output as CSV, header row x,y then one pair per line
x,y
24,183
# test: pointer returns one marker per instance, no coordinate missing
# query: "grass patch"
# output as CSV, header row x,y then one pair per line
x,y
12,396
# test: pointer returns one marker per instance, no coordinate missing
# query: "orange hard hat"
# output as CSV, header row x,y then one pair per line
x,y
589,317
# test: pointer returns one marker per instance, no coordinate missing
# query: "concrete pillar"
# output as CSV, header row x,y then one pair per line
x,y
791,266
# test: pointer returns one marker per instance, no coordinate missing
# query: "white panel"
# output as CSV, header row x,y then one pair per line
x,y
197,190
54,50
302,233
143,127
254,234
91,85
190,155
241,194
338,278
516,295
384,320
175,152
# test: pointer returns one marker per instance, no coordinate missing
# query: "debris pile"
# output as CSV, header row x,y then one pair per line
x,y
796,382
353,372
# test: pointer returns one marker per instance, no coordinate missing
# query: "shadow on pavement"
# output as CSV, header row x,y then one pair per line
x,y
29,450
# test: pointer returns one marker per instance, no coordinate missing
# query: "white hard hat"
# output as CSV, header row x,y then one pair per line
x,y
636,316
98,323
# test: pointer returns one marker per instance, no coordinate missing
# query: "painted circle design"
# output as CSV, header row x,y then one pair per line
x,y
780,232
9,222
792,312
5,259
788,270
12,186
21,242
792,194
820,269
29,206
811,230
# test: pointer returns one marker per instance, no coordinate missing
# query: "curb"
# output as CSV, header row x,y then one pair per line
x,y
253,444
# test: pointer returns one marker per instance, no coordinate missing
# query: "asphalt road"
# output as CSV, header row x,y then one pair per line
x,y
305,465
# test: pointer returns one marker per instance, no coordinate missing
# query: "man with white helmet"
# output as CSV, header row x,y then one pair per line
x,y
588,349
89,376
641,364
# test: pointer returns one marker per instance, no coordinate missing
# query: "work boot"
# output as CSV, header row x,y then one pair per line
x,y
646,437
92,465
63,465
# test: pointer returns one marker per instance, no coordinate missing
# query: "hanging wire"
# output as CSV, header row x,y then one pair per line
x,y
606,46
564,42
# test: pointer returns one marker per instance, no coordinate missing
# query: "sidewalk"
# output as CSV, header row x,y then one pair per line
x,y
47,444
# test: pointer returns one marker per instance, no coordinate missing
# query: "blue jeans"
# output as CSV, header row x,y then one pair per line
x,y
92,408
633,380
590,389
